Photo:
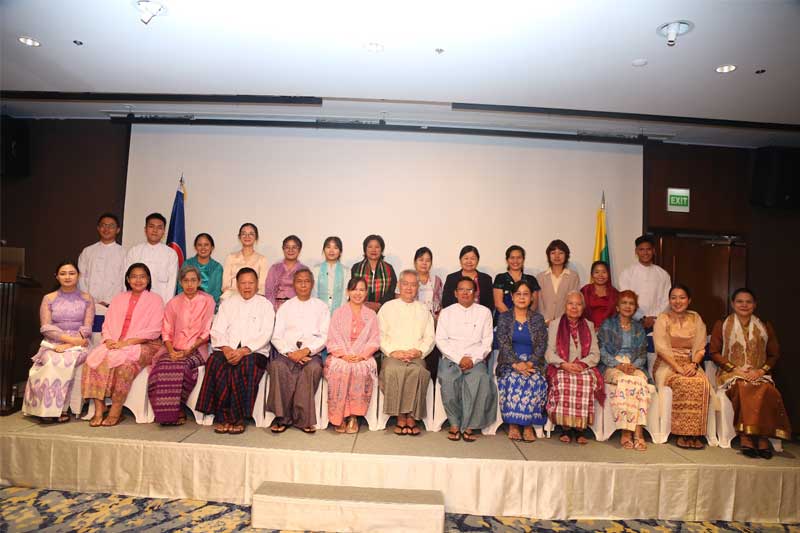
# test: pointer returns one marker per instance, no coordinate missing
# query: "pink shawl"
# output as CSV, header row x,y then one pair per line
x,y
367,342
145,324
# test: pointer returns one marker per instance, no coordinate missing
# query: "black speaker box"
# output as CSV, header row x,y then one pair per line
x,y
15,140
776,178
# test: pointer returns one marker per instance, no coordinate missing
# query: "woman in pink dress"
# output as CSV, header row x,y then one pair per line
x,y
353,339
131,333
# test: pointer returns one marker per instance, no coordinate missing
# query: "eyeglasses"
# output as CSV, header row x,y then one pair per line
x,y
465,290
109,225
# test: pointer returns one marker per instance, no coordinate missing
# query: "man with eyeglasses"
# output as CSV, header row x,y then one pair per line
x,y
464,336
102,267
159,258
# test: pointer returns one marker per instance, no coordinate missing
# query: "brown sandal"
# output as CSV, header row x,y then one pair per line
x,y
469,436
639,444
454,435
113,422
236,429
528,434
222,428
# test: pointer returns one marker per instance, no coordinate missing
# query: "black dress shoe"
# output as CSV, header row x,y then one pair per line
x,y
766,453
750,452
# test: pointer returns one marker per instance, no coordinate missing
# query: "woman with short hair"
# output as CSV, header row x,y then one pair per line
x,y
279,286
574,382
350,368
379,275
130,335
623,356
469,257
185,332
66,316
556,282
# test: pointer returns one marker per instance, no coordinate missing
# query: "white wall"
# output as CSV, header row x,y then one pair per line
x,y
442,191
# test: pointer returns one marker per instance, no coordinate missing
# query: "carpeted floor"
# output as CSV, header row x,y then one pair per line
x,y
51,511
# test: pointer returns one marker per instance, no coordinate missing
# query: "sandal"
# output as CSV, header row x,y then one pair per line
x,y
685,443
63,418
113,422
639,444
96,421
310,429
341,428
513,433
277,428
582,440
181,420
528,435
627,442
469,436
352,425
399,430
454,435
413,430
566,437
698,444
221,428
236,429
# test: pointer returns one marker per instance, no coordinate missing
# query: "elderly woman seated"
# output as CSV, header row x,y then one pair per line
x,y
623,352
573,378
185,332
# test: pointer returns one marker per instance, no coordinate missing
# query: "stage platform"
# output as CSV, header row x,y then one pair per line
x,y
493,476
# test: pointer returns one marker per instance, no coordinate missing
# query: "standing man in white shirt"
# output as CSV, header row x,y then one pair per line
x,y
651,283
301,331
102,268
464,336
159,258
240,337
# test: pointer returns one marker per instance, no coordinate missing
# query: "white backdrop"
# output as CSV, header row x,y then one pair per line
x,y
441,191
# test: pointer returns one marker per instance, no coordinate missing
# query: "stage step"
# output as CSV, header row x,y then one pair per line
x,y
298,506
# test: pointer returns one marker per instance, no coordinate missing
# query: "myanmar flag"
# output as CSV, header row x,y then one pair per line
x,y
600,235
176,235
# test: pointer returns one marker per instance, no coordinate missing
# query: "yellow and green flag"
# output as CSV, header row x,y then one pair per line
x,y
600,235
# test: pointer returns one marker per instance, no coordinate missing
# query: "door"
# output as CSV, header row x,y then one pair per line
x,y
711,266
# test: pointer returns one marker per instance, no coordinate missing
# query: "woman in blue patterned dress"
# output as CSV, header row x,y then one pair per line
x,y
522,338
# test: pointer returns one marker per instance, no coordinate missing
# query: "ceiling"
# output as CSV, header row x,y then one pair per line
x,y
371,60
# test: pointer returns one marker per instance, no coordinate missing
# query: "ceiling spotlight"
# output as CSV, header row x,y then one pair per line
x,y
641,62
439,51
761,71
77,42
28,41
148,9
671,30
724,69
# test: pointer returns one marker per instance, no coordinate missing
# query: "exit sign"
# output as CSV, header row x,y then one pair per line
x,y
678,200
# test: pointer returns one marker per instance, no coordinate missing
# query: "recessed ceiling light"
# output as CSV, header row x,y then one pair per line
x,y
28,41
724,69
761,71
374,47
672,30
641,62
77,42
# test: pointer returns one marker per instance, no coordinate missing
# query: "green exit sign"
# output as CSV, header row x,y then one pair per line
x,y
678,200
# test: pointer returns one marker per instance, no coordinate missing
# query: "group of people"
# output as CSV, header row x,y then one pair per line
x,y
560,347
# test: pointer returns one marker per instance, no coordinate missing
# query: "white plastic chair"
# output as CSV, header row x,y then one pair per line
x,y
603,426
202,419
75,395
726,431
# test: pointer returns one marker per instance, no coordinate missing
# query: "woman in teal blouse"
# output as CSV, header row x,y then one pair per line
x,y
210,270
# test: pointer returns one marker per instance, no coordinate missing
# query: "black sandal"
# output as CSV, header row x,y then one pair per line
x,y
454,435
469,436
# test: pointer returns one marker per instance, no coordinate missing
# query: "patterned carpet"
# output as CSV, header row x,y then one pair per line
x,y
51,511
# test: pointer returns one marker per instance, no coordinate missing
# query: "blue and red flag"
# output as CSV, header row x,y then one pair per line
x,y
176,235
